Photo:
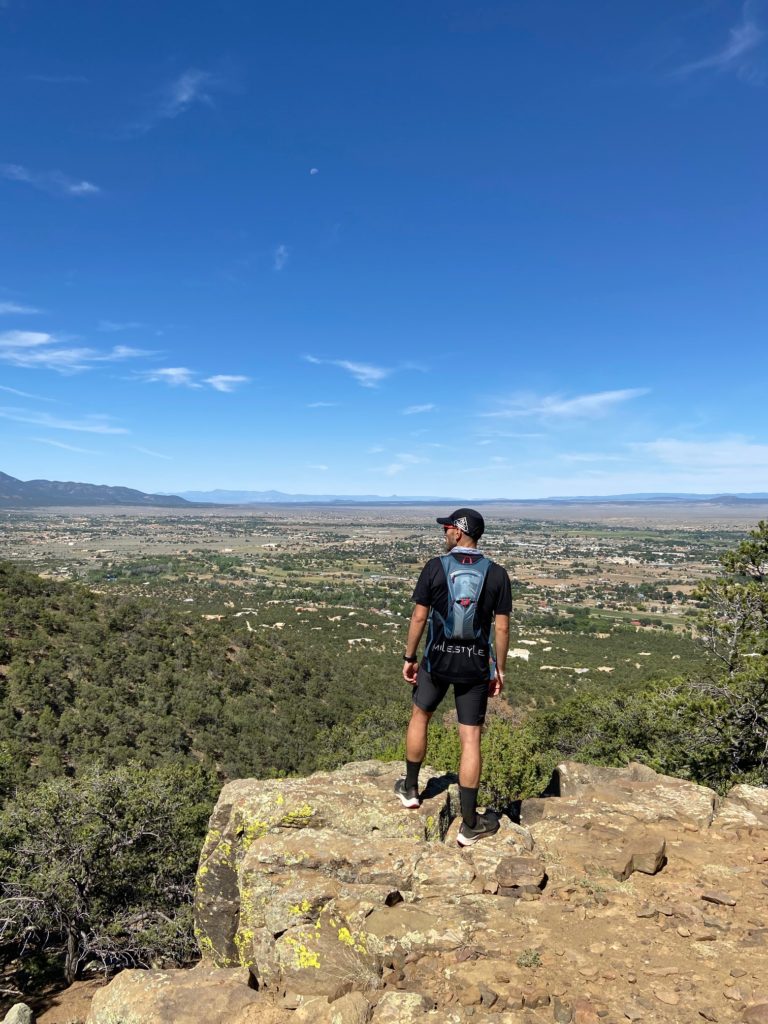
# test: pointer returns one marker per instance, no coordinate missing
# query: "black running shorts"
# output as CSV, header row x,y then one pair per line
x,y
471,698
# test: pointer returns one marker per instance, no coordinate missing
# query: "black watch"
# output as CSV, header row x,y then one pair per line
x,y
411,661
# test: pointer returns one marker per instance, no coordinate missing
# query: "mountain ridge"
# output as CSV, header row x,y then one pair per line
x,y
16,493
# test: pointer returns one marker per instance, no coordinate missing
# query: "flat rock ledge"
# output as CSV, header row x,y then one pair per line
x,y
627,896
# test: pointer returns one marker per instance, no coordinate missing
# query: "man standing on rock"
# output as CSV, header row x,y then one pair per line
x,y
458,594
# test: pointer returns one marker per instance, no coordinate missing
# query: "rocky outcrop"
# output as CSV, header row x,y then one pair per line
x,y
627,896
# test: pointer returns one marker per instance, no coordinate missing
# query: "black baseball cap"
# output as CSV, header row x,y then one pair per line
x,y
467,520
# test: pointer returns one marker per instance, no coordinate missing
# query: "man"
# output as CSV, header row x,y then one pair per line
x,y
458,594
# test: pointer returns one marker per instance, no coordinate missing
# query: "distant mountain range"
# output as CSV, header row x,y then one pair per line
x,y
41,493
38,493
281,498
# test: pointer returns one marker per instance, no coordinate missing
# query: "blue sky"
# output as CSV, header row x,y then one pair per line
x,y
486,249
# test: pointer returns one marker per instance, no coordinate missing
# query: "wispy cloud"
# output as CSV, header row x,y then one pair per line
x,y
737,56
94,424
25,339
66,447
183,377
24,394
724,453
321,405
58,79
225,381
148,451
175,376
318,466
280,257
590,457
557,407
54,182
113,326
494,436
366,374
405,460
192,88
415,410
7,308
40,350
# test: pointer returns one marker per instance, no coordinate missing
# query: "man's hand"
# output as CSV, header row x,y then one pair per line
x,y
410,671
496,685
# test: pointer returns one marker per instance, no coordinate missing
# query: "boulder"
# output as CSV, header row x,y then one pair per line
x,y
743,807
173,997
253,816
401,1008
352,1008
636,792
342,904
19,1013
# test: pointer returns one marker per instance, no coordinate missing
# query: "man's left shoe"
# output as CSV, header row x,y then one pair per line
x,y
409,796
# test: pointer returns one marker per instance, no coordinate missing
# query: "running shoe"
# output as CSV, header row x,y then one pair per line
x,y
408,796
485,825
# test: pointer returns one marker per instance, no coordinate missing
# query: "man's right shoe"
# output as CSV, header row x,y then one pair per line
x,y
409,796
485,825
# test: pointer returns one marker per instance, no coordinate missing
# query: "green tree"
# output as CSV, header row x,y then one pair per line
x,y
734,629
101,868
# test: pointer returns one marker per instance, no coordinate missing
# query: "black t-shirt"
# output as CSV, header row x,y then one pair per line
x,y
461,659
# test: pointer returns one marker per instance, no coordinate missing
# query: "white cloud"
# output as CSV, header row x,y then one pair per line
x,y
588,406
314,170
589,457
737,54
24,394
192,86
280,257
48,181
25,339
148,451
404,461
15,307
113,325
321,405
318,466
724,454
225,381
66,447
366,374
175,376
57,79
40,350
414,410
95,424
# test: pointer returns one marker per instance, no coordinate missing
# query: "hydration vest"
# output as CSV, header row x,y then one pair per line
x,y
465,584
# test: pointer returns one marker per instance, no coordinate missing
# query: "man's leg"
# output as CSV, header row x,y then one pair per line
x,y
416,736
427,696
469,772
407,789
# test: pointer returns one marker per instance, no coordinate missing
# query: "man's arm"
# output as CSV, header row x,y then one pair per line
x,y
415,630
502,647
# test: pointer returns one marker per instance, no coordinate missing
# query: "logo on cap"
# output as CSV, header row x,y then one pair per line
x,y
462,524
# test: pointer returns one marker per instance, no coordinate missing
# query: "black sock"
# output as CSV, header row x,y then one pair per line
x,y
412,774
468,798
